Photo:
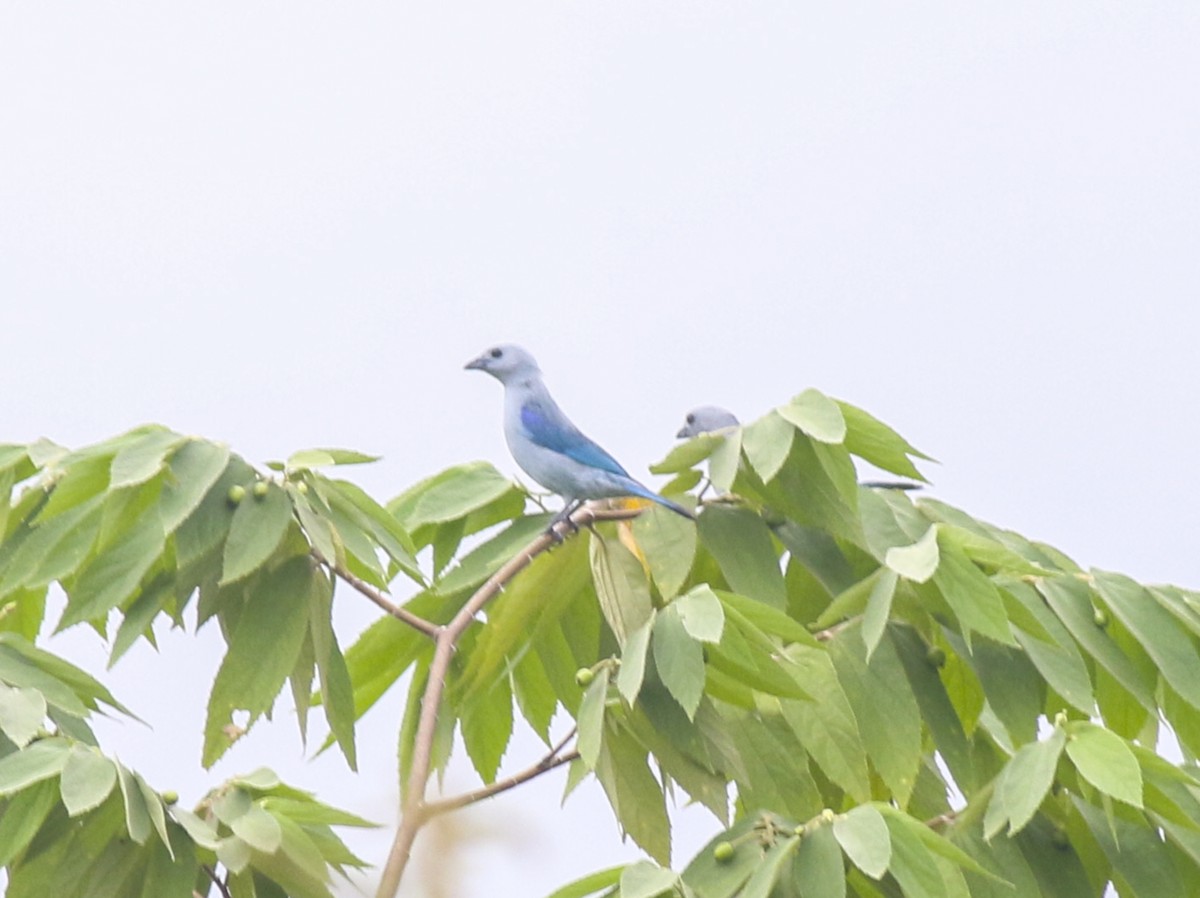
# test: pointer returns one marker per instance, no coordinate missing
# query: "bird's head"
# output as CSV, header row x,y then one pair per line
x,y
706,419
506,362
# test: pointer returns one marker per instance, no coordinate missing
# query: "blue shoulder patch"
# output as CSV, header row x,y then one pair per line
x,y
566,438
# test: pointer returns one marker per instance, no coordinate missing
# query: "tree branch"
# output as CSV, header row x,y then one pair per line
x,y
415,811
417,623
212,874
549,761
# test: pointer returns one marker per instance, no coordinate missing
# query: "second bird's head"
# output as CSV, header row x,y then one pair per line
x,y
505,362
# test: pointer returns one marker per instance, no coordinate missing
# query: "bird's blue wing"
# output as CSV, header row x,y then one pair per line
x,y
553,431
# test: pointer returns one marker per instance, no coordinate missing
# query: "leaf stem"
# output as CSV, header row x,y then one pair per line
x,y
417,623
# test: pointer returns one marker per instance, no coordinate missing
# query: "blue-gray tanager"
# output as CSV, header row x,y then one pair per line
x,y
547,446
707,418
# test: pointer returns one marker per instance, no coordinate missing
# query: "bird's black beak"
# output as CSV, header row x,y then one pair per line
x,y
476,364
683,433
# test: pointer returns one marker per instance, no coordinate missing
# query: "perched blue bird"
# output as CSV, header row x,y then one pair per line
x,y
706,419
547,446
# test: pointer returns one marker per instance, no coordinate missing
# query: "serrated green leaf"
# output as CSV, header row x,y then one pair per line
x,y
741,543
689,454
918,561
767,619
635,795
450,495
679,660
913,865
621,586
972,596
819,872
486,727
87,779
1024,784
337,689
817,415
23,817
668,543
137,814
817,487
879,607
262,650
315,458
590,884
488,557
873,441
864,837
41,760
1136,851
202,832
142,459
724,461
591,718
645,880
633,661
889,720
22,713
113,575
1157,631
767,443
258,829
1105,760
257,529
701,613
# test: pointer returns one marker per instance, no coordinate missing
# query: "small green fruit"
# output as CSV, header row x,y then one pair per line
x,y
1100,617
584,676
723,852
936,656
261,488
170,797
236,494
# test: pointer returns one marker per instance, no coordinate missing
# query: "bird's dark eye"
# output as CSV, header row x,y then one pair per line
x,y
496,353
691,419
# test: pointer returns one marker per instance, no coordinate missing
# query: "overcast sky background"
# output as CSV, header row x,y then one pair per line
x,y
289,225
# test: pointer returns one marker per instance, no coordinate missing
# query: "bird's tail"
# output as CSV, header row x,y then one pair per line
x,y
638,490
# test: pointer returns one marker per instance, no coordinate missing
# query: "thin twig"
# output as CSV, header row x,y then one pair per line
x,y
415,812
212,874
417,623
545,765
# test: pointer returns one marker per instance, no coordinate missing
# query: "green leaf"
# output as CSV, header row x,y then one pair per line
x,y
22,712
450,495
689,454
873,441
41,760
668,542
23,817
143,459
87,779
257,529
724,461
741,543
488,557
337,689
913,865
194,468
863,834
113,575
590,884
918,561
1156,629
767,619
1023,784
889,719
819,870
879,607
701,613
767,443
645,880
137,813
679,660
591,718
817,487
763,880
633,661
487,723
262,650
817,415
1136,851
621,586
712,878
635,795
972,596
258,829
1105,760
315,458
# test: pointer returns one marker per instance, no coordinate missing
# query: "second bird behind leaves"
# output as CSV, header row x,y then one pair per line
x,y
547,446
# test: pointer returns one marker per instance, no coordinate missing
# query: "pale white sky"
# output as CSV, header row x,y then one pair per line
x,y
287,225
